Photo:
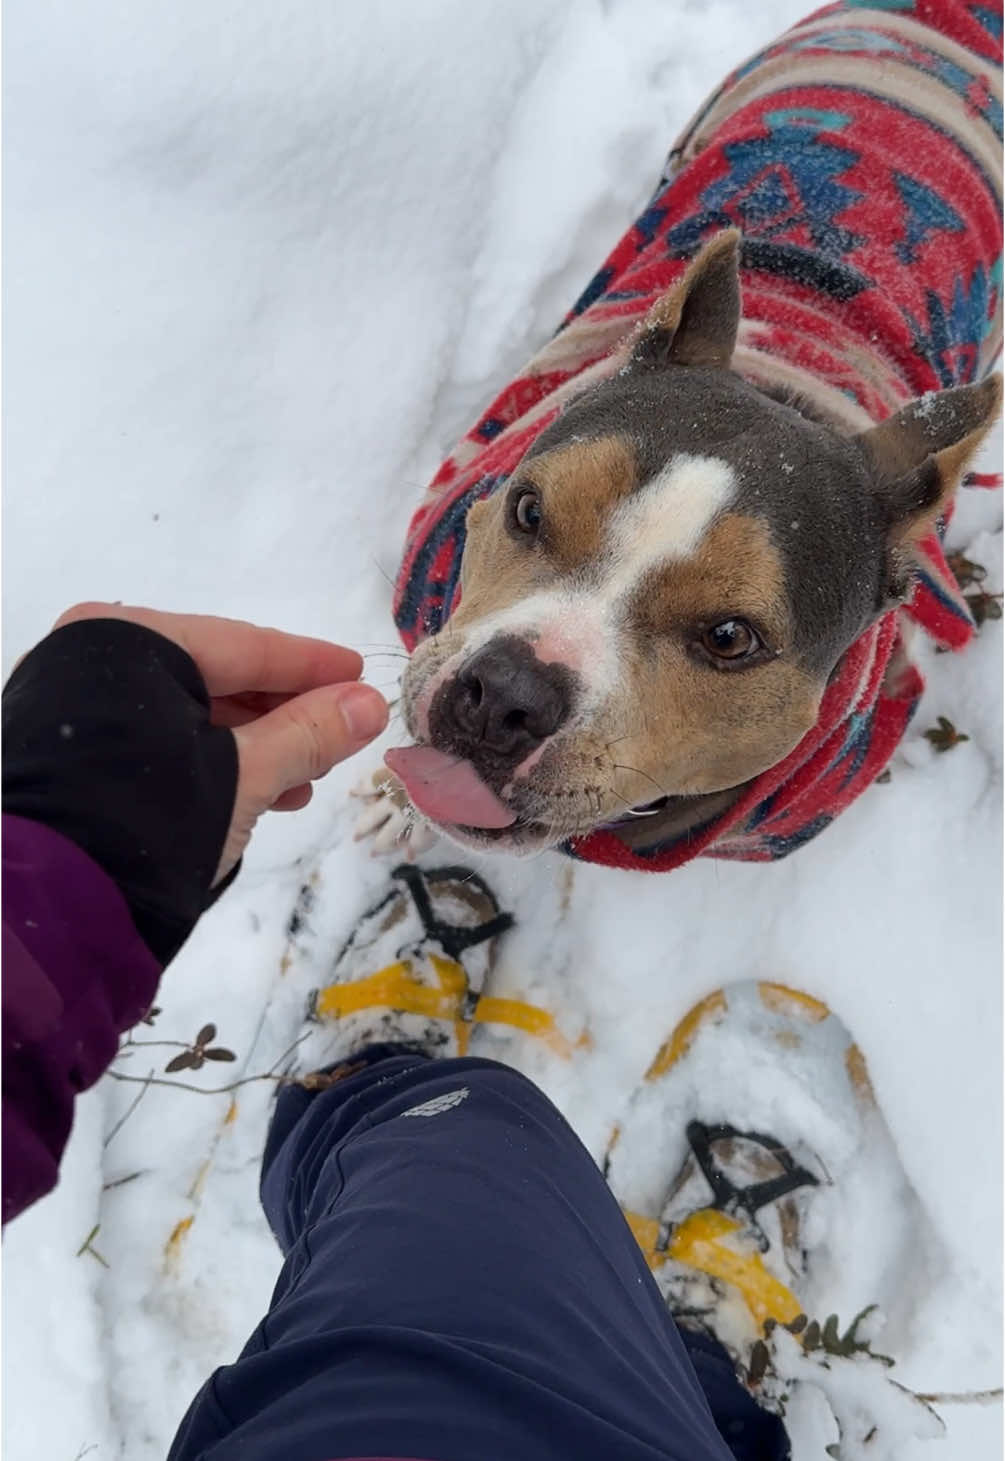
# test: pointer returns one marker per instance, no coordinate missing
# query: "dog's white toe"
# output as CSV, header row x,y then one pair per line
x,y
388,818
403,834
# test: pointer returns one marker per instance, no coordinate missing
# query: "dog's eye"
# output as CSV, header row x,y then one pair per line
x,y
527,510
733,639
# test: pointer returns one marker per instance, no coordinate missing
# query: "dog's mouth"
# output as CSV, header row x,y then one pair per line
x,y
449,791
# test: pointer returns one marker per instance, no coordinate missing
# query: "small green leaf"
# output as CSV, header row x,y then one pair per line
x,y
944,736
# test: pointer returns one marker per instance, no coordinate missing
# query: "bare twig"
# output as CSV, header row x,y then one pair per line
x,y
267,1075
116,1075
962,1397
130,1044
130,1108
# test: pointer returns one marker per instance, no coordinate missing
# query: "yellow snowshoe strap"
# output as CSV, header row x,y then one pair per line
x,y
394,988
702,1241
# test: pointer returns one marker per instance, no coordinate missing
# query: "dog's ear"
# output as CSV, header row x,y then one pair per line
x,y
696,321
918,456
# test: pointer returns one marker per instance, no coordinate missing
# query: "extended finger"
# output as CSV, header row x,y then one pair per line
x,y
234,656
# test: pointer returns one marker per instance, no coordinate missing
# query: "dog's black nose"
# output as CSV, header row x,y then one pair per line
x,y
504,702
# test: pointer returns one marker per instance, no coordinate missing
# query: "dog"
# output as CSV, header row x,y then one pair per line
x,y
659,596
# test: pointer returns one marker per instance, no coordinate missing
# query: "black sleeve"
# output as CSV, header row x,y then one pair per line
x,y
107,740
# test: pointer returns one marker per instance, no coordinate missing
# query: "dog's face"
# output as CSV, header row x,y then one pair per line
x,y
652,606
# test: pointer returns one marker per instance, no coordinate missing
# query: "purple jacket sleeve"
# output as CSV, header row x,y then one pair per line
x,y
76,975
118,790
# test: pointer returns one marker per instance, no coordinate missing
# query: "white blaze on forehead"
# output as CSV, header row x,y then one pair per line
x,y
667,518
580,624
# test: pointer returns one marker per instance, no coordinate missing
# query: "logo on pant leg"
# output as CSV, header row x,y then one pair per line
x,y
439,1103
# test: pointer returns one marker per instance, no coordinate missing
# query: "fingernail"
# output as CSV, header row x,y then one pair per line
x,y
365,711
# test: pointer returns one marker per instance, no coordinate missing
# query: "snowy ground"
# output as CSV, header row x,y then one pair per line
x,y
263,264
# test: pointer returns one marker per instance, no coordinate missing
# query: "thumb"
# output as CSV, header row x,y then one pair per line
x,y
304,738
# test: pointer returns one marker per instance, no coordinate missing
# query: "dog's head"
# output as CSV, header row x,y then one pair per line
x,y
654,603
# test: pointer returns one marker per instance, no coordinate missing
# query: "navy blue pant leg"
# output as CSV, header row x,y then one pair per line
x,y
460,1285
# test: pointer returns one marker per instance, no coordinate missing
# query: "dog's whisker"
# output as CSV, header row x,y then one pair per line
x,y
381,570
619,766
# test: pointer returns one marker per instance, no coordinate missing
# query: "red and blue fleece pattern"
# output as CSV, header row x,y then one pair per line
x,y
860,157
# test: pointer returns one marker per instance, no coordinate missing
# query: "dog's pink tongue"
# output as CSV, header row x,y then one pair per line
x,y
447,789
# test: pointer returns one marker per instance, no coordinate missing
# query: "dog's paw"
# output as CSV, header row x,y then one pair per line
x,y
388,818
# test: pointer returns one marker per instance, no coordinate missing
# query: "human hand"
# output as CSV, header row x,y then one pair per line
x,y
294,705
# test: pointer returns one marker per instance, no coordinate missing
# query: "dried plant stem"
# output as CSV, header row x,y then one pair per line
x,y
146,1082
131,1044
962,1397
86,1247
247,1080
121,1181
152,1080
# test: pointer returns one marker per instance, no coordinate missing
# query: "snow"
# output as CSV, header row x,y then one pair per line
x,y
264,263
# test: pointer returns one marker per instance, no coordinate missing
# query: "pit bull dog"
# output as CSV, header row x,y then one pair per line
x,y
658,597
